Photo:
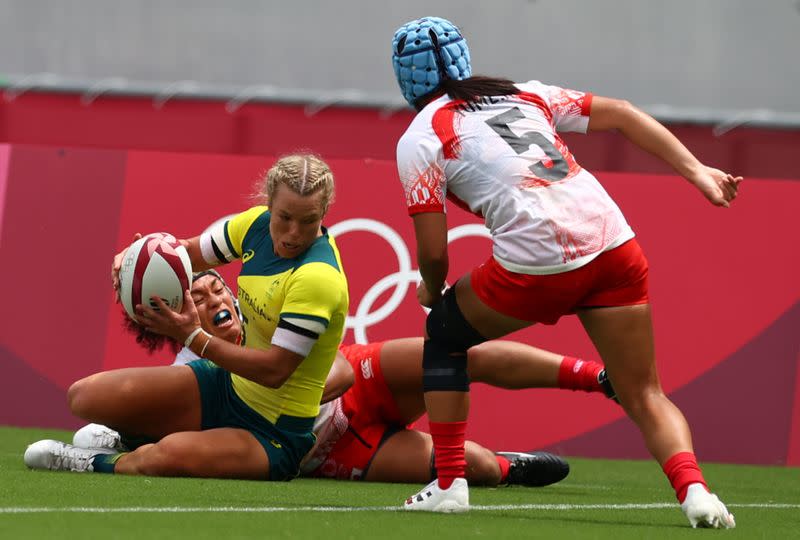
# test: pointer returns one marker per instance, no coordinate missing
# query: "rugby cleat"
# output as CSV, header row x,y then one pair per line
x,y
98,436
605,384
57,456
432,498
534,469
705,510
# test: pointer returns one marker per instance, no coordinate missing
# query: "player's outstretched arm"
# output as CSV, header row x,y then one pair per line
x,y
648,134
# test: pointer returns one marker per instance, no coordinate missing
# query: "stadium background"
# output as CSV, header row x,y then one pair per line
x,y
141,116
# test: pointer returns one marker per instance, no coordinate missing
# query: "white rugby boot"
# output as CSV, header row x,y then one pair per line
x,y
432,498
59,456
705,510
98,436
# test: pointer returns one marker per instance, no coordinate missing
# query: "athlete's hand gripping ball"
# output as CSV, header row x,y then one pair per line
x,y
165,321
154,265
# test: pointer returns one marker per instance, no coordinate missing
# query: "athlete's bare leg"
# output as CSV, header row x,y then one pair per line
x,y
406,457
401,364
512,365
504,364
152,401
624,338
214,453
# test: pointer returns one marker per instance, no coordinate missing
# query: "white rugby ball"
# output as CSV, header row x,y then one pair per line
x,y
154,265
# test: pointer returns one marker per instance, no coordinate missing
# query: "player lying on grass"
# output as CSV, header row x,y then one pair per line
x,y
243,411
364,434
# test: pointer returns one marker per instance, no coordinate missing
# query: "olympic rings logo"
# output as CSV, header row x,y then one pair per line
x,y
364,316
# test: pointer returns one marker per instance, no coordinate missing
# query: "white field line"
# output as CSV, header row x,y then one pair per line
x,y
334,509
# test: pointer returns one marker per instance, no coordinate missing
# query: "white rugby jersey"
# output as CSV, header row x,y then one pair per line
x,y
503,160
184,356
331,423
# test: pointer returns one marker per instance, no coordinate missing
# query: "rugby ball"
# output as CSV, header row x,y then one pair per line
x,y
154,265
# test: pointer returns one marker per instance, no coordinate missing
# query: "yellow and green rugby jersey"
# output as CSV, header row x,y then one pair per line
x,y
311,286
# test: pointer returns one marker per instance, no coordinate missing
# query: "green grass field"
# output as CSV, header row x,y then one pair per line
x,y
599,499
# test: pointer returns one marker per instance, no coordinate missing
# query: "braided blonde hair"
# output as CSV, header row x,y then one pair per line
x,y
305,174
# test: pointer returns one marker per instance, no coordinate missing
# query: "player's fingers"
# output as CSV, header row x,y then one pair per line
x,y
728,191
143,315
715,195
160,304
188,303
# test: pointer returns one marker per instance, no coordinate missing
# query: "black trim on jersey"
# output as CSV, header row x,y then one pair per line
x,y
228,241
217,251
286,325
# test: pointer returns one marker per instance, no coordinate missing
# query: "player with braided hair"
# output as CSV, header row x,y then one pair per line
x,y
242,411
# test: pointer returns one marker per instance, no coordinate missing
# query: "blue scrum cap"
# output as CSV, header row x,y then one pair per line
x,y
427,51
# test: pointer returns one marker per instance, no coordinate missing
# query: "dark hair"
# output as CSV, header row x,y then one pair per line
x,y
470,90
150,341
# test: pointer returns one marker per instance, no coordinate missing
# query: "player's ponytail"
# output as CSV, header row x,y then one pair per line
x,y
473,89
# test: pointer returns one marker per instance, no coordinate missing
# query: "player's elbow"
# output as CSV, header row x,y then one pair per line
x,y
275,379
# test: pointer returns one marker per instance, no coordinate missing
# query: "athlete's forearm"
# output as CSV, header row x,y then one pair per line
x,y
271,367
648,134
430,230
434,273
645,132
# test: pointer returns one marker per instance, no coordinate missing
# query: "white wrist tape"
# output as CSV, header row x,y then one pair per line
x,y
193,335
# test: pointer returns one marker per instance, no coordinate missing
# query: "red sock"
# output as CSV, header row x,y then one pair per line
x,y
504,466
448,451
682,470
577,374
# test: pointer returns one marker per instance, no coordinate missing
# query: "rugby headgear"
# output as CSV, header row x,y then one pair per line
x,y
426,52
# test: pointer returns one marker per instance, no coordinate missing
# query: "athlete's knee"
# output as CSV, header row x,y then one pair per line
x,y
481,362
444,357
81,398
447,325
482,466
644,402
